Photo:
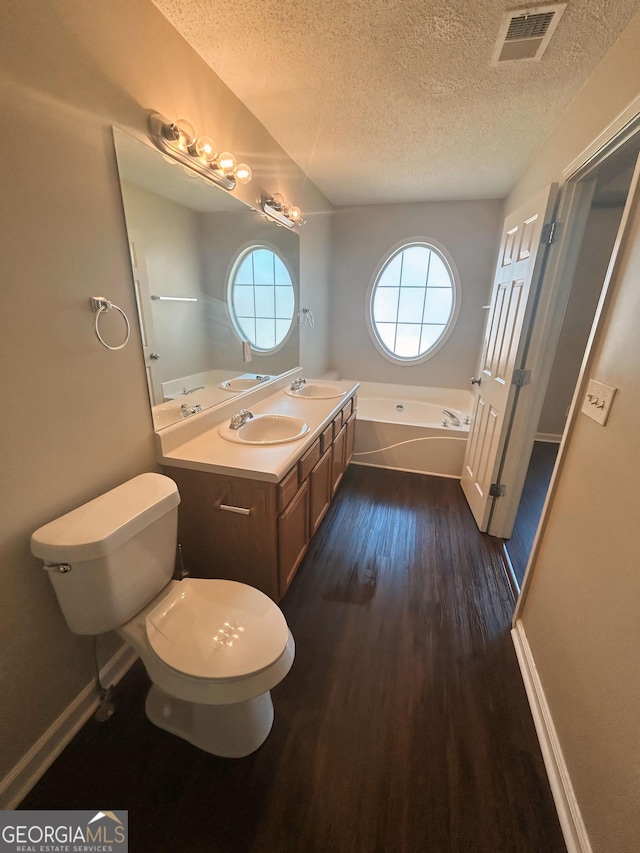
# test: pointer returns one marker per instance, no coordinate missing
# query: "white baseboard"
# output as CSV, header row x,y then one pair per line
x,y
549,436
32,766
573,828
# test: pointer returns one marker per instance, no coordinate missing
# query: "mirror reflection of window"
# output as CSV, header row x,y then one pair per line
x,y
261,298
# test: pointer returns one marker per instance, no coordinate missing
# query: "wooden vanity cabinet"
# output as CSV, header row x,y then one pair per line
x,y
350,439
254,531
337,459
293,537
320,490
240,543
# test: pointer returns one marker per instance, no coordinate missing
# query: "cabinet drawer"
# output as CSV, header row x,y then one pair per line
x,y
308,461
337,424
326,438
287,487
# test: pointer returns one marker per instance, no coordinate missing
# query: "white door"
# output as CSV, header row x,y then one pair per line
x,y
145,317
520,262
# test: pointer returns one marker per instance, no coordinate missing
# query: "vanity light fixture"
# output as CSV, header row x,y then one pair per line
x,y
276,208
178,140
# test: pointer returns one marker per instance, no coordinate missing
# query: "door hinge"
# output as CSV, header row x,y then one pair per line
x,y
550,232
521,377
496,490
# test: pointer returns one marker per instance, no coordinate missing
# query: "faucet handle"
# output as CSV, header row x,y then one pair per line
x,y
240,418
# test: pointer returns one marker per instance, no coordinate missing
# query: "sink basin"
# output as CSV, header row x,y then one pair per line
x,y
266,429
317,391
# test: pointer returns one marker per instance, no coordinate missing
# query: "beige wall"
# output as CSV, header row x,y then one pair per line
x,y
581,611
363,236
78,420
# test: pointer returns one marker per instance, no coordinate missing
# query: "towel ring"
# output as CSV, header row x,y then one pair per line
x,y
98,305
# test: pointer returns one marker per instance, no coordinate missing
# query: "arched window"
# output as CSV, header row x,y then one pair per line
x,y
413,304
261,298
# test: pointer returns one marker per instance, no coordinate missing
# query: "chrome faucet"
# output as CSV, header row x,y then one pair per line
x,y
454,420
264,378
240,419
186,390
186,410
297,384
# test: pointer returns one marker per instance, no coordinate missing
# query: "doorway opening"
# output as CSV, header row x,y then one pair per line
x,y
610,183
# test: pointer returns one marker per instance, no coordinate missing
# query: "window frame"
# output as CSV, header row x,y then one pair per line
x,y
235,264
445,256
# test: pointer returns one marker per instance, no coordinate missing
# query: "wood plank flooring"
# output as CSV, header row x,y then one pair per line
x,y
536,485
403,725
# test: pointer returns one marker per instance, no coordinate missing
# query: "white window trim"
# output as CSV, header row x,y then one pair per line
x,y
233,266
368,311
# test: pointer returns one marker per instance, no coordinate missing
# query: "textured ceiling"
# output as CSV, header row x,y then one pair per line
x,y
395,100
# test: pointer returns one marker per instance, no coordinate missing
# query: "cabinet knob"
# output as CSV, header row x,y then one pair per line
x,y
154,356
476,381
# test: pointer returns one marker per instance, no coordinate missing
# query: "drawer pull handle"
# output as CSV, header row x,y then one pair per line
x,y
240,510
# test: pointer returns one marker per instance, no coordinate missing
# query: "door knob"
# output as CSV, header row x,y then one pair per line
x,y
475,381
154,356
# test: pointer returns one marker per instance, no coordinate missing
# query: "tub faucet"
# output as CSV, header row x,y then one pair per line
x,y
454,420
240,419
186,390
297,384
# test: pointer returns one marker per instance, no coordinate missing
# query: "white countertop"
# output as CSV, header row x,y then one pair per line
x,y
208,451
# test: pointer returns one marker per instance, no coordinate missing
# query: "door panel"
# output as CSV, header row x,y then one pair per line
x,y
520,262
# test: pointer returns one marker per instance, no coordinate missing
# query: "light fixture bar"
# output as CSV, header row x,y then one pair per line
x,y
157,129
174,298
275,214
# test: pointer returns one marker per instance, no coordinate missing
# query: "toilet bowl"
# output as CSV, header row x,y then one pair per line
x,y
213,649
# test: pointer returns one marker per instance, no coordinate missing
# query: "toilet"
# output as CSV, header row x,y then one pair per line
x,y
213,649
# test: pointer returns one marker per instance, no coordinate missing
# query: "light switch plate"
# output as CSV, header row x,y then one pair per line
x,y
597,401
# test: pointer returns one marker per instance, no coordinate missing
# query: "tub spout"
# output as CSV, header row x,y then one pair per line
x,y
454,420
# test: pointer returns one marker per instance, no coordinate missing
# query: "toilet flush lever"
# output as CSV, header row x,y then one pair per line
x,y
62,568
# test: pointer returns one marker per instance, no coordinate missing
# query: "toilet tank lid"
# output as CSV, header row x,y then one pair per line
x,y
97,528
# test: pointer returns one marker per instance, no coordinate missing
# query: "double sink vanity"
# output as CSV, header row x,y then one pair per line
x,y
252,496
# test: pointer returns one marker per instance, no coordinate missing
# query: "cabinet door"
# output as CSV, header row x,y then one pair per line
x,y
350,440
319,491
293,536
337,460
228,528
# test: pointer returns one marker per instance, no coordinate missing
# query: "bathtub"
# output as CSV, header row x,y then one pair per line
x,y
401,427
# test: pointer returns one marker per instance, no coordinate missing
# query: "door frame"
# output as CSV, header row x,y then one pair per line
x,y
556,283
546,324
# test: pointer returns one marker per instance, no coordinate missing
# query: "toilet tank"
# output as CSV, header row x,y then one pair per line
x,y
121,548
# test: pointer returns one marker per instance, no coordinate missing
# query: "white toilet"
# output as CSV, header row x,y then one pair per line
x,y
213,648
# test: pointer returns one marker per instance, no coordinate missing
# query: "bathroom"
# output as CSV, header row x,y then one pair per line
x,y
78,422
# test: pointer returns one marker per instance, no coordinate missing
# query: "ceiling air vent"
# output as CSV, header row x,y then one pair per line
x,y
525,33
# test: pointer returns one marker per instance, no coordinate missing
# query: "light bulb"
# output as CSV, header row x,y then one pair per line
x,y
243,173
186,134
294,214
225,163
277,201
206,149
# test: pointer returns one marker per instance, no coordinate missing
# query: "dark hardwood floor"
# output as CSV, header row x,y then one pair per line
x,y
536,485
403,725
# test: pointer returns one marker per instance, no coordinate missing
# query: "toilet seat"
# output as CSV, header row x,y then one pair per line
x,y
216,629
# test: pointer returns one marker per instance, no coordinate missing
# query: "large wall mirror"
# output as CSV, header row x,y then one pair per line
x,y
217,284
